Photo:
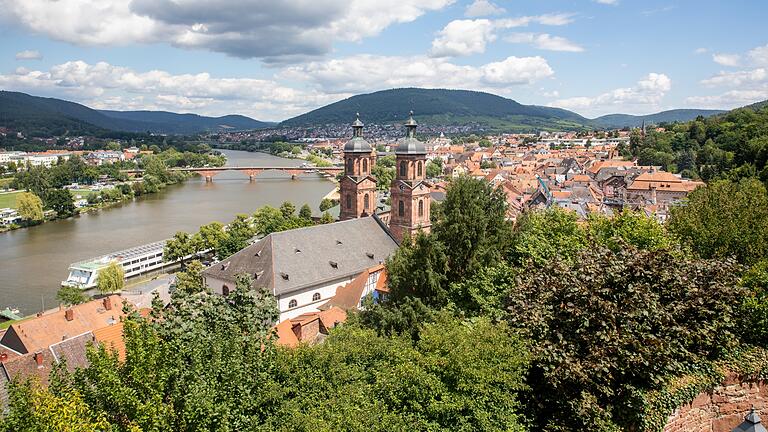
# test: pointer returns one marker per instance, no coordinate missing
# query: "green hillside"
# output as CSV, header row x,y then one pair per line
x,y
678,115
442,107
49,116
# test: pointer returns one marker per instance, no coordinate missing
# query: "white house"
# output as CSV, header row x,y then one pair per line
x,y
303,268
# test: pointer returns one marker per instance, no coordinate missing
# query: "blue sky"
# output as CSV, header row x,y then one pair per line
x,y
274,59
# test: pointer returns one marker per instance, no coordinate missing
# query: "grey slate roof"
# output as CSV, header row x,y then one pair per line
x,y
357,145
290,260
410,145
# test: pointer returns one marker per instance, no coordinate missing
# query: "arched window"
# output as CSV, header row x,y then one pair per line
x,y
292,304
403,168
315,296
365,202
350,166
418,169
349,201
421,207
401,208
365,166
225,290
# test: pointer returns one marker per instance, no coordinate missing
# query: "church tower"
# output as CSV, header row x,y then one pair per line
x,y
410,192
357,189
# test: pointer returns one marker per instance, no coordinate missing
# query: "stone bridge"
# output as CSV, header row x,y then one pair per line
x,y
209,172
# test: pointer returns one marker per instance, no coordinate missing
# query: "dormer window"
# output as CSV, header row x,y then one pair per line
x,y
338,242
369,255
257,254
334,264
225,266
297,250
292,304
284,276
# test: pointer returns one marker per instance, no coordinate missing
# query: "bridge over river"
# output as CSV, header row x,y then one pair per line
x,y
209,172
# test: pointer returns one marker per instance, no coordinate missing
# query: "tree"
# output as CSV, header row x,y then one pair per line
x,y
418,269
435,168
60,201
610,324
326,218
30,206
305,212
239,231
210,237
180,246
287,209
473,228
190,281
326,204
69,295
384,176
267,220
725,219
543,235
111,278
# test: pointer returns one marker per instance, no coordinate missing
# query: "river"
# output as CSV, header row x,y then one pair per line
x,y
34,261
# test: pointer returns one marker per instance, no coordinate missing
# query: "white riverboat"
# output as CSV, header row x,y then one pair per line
x,y
135,261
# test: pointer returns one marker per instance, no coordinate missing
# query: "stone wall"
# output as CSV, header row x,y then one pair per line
x,y
722,409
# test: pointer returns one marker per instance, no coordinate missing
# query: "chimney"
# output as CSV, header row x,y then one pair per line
x,y
69,314
107,303
3,357
39,359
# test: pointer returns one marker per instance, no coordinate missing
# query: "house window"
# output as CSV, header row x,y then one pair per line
x,y
349,201
421,207
292,304
403,168
315,296
365,166
418,169
365,201
400,208
225,290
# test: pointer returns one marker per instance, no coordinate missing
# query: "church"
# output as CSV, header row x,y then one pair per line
x,y
305,267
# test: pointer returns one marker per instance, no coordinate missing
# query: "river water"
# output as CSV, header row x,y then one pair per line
x,y
34,261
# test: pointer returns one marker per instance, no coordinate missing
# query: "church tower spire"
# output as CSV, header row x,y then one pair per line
x,y
409,191
357,189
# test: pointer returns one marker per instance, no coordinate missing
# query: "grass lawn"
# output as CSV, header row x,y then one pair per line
x,y
8,199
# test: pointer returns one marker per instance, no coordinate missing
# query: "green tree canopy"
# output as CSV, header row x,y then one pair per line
x,y
111,279
30,206
305,212
725,219
60,201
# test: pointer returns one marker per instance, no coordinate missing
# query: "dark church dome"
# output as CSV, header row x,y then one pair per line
x,y
357,144
409,144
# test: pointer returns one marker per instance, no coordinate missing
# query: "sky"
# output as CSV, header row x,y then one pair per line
x,y
274,59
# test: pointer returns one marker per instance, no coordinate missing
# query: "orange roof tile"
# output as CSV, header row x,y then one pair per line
x,y
285,335
112,339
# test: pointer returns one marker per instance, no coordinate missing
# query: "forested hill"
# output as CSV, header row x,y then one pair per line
x,y
461,107
49,116
732,145
441,107
611,121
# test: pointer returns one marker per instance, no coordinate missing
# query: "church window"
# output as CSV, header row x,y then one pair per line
x,y
365,201
293,304
418,169
350,166
401,208
403,168
315,296
349,201
421,207
365,166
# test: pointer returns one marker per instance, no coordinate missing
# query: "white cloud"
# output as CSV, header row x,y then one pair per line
x,y
737,78
729,99
463,37
700,51
644,97
29,55
364,73
480,8
607,2
759,55
544,41
102,85
272,30
726,59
